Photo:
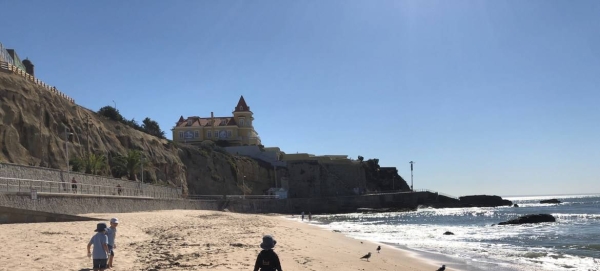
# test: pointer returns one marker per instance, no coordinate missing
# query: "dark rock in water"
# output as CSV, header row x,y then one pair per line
x,y
448,233
516,205
526,219
550,201
484,201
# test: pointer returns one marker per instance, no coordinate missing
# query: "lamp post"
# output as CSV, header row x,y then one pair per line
x,y
115,104
67,134
142,164
411,175
244,186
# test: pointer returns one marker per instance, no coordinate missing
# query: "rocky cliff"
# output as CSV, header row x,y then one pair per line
x,y
34,122
32,132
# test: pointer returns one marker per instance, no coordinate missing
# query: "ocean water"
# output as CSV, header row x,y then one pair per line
x,y
572,243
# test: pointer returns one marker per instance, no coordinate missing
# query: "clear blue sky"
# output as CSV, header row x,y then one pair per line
x,y
496,97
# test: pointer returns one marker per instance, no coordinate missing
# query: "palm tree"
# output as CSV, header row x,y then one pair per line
x,y
95,163
92,164
130,163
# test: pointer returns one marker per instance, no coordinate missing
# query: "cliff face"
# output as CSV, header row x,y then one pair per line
x,y
32,132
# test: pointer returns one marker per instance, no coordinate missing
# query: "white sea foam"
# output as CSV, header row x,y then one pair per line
x,y
569,244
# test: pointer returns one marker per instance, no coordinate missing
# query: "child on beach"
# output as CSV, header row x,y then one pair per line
x,y
267,259
100,252
112,234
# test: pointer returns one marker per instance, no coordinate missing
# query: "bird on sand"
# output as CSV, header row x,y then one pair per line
x,y
378,249
442,268
366,256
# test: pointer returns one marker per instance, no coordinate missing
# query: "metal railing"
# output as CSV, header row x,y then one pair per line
x,y
218,197
16,70
41,186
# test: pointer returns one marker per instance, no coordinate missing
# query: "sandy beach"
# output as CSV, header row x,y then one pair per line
x,y
196,240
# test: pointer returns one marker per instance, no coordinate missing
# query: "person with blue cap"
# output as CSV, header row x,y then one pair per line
x,y
267,259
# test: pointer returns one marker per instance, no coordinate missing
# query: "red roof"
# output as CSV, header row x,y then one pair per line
x,y
241,106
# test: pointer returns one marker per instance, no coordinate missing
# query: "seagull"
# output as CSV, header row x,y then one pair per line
x,y
367,256
378,249
442,268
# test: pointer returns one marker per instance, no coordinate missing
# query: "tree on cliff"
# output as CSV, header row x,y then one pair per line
x,y
111,113
129,164
151,127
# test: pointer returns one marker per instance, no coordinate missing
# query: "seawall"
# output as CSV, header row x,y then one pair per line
x,y
49,174
82,204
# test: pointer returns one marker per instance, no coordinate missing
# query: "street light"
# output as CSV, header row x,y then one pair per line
x,y
115,104
67,134
411,175
142,164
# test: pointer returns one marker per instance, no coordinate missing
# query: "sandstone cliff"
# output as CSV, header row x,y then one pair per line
x,y
32,132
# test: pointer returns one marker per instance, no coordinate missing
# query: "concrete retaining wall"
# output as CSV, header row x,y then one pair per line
x,y
13,215
83,204
49,174
330,205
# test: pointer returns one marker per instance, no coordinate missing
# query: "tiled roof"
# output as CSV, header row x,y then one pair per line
x,y
203,122
241,106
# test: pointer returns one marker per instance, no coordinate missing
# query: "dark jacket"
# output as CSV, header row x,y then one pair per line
x,y
267,260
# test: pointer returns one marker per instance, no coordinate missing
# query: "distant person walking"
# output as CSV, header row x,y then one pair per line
x,y
119,189
309,216
74,185
302,214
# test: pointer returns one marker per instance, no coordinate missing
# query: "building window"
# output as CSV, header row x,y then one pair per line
x,y
196,134
229,133
180,134
216,134
241,122
208,134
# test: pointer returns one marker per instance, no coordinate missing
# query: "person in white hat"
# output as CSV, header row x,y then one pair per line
x,y
112,234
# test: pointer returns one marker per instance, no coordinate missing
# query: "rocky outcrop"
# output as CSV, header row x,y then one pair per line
x,y
539,218
550,201
484,201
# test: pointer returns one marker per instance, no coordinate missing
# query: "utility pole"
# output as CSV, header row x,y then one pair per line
x,y
142,164
88,135
275,171
67,133
411,175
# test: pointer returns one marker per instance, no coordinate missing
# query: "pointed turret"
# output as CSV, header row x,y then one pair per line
x,y
241,106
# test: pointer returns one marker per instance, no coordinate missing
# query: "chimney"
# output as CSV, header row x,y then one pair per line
x,y
212,116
